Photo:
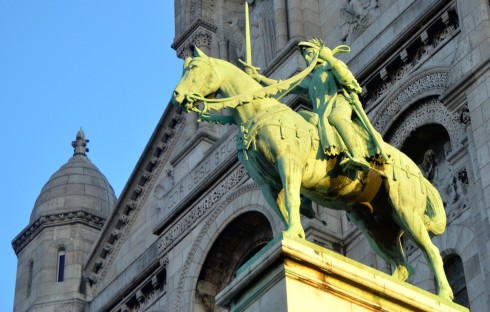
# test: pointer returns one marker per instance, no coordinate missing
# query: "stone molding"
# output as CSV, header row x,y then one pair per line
x,y
43,222
216,210
189,184
431,111
423,84
145,293
134,197
411,54
199,34
201,209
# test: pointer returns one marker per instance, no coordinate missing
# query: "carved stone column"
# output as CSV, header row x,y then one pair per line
x,y
280,21
295,21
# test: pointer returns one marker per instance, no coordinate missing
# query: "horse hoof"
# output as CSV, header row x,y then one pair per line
x,y
296,233
446,294
401,273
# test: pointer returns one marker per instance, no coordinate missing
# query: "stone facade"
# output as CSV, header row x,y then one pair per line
x,y
190,216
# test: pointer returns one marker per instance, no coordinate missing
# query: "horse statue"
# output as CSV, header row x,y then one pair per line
x,y
280,150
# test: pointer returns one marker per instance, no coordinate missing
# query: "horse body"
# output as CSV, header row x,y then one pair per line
x,y
280,151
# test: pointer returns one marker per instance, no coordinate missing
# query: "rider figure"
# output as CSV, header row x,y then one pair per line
x,y
332,90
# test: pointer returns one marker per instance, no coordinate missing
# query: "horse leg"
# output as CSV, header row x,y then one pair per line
x,y
275,199
384,239
418,232
290,173
415,227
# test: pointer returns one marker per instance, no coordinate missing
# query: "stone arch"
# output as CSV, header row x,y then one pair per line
x,y
430,82
247,198
426,111
236,243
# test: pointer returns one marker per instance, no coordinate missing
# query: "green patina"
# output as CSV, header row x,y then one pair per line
x,y
332,156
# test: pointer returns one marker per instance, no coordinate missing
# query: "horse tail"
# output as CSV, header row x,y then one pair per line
x,y
434,215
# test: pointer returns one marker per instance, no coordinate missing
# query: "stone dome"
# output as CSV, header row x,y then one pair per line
x,y
76,186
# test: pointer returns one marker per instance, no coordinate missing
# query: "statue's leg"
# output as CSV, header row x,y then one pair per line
x,y
340,119
383,235
411,219
275,199
291,175
271,194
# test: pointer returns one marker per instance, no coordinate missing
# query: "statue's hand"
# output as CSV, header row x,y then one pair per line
x,y
252,71
326,54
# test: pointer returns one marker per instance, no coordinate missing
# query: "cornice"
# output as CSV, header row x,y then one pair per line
x,y
134,194
80,216
198,23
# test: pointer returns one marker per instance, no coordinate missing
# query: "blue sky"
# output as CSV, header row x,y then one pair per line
x,y
105,66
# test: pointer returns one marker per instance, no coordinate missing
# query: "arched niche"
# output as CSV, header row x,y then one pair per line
x,y
428,127
425,112
238,242
247,198
427,83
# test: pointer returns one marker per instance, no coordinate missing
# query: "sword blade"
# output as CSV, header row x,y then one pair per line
x,y
248,44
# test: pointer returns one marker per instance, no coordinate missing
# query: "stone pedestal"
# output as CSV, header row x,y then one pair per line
x,y
295,275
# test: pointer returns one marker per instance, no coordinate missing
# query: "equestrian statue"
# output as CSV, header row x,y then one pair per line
x,y
332,155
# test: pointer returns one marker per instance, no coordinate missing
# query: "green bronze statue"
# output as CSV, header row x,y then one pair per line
x,y
333,90
338,161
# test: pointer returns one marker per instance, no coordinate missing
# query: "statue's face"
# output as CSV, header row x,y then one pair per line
x,y
309,55
430,156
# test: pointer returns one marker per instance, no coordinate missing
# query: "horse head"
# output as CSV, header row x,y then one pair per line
x,y
199,79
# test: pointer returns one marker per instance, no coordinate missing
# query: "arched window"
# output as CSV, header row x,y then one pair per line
x,y
30,265
239,241
61,265
453,266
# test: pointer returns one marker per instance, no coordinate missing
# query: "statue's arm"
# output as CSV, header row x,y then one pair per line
x,y
301,88
218,119
341,72
344,76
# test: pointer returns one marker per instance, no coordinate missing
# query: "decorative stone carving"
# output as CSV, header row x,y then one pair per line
x,y
54,220
425,42
464,115
202,9
99,262
124,222
429,167
174,196
430,111
200,209
463,176
197,242
201,38
144,295
263,33
356,16
108,248
237,36
80,144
